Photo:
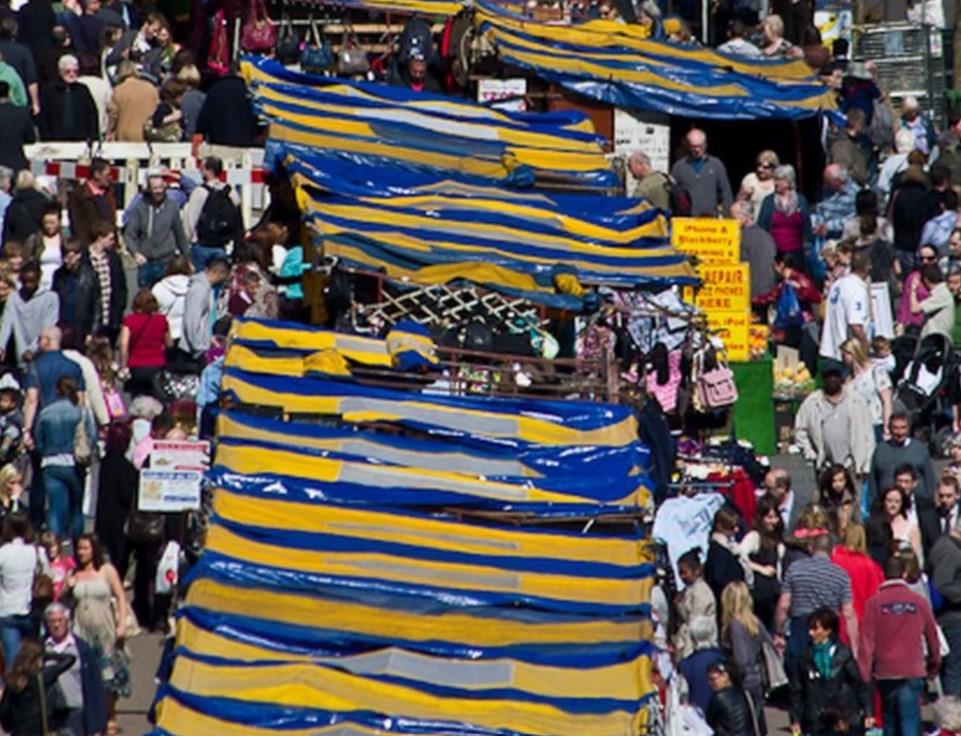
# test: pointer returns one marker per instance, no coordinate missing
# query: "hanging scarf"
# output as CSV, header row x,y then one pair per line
x,y
821,657
786,204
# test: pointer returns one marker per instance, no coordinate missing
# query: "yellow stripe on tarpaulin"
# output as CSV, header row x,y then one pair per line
x,y
251,460
629,680
363,409
181,720
630,592
302,685
366,350
453,625
451,459
366,118
427,532
329,362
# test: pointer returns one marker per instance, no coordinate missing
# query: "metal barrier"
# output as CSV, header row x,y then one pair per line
x,y
243,167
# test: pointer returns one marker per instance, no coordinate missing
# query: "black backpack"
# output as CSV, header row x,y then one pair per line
x,y
217,225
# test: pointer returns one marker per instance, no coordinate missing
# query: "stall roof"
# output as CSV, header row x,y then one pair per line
x,y
616,64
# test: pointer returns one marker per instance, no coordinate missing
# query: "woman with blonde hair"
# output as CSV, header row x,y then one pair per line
x,y
11,488
742,637
869,381
757,184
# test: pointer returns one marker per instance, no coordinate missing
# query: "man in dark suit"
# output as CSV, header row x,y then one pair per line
x,y
937,521
17,127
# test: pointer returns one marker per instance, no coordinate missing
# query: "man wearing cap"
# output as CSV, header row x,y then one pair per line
x,y
834,425
913,119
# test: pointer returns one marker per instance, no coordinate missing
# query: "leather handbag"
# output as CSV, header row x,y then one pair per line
x,y
288,44
353,57
317,56
144,527
259,33
716,388
218,57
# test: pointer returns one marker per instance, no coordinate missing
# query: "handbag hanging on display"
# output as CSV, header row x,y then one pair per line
x,y
317,56
218,58
259,32
716,388
353,57
288,43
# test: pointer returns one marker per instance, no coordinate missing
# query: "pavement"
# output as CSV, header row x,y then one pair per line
x,y
145,650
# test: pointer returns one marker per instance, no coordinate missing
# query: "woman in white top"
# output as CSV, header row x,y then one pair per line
x,y
19,560
760,182
869,381
46,246
171,294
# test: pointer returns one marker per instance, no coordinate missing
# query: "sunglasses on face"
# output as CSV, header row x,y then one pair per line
x,y
765,166
929,258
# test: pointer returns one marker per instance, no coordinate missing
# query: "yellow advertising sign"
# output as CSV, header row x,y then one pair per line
x,y
711,240
724,288
734,328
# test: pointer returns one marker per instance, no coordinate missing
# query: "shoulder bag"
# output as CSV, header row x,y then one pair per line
x,y
317,56
259,33
42,587
82,443
353,56
716,388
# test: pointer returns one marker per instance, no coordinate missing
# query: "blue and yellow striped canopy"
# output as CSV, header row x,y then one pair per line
x,y
369,582
615,63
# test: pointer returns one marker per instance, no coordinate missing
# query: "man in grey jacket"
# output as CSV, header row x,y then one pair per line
x,y
155,232
199,307
704,177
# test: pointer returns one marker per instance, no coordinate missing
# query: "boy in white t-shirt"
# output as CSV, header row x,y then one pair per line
x,y
848,312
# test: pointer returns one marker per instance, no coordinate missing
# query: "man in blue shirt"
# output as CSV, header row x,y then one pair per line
x,y
42,375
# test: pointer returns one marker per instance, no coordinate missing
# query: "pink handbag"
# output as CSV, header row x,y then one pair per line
x,y
258,34
716,389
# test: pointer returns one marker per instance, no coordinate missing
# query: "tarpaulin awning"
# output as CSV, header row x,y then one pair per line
x,y
614,63
363,582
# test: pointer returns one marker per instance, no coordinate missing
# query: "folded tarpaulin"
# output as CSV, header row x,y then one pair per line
x,y
614,63
510,421
397,482
378,124
437,454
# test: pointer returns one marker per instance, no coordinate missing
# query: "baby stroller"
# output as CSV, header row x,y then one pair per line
x,y
924,380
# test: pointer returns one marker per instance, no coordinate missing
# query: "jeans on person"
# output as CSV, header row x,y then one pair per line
x,y
951,664
13,629
797,641
65,499
201,255
901,702
150,273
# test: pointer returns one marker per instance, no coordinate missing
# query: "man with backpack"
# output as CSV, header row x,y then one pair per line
x,y
211,216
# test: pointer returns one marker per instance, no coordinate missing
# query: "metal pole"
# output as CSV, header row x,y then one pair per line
x,y
705,20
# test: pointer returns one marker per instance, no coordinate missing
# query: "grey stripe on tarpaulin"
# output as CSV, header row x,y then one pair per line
x,y
381,531
385,476
446,462
434,670
486,581
472,423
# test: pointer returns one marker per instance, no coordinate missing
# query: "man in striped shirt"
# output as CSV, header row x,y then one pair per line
x,y
809,584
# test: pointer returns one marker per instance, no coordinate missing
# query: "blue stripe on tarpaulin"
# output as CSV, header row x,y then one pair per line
x,y
307,640
278,718
605,488
237,570
305,490
574,415
353,543
614,68
592,461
